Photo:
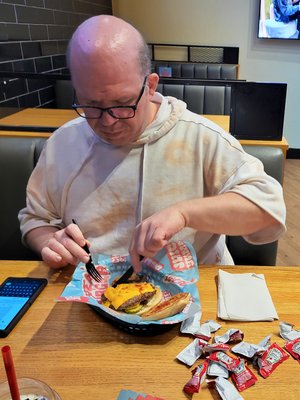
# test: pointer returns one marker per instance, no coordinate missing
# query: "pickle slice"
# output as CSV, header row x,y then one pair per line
x,y
133,310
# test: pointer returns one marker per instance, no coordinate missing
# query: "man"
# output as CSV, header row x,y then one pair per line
x,y
286,11
137,169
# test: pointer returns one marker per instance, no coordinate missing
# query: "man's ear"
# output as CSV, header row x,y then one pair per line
x,y
152,83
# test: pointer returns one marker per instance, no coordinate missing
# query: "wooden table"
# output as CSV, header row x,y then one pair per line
x,y
40,117
57,117
83,357
223,121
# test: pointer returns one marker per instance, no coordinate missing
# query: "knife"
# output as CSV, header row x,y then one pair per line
x,y
127,274
124,278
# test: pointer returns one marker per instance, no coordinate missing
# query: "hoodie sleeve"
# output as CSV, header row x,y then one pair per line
x,y
48,183
254,184
41,208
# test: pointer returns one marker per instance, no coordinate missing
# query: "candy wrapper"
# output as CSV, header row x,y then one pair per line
x,y
191,352
216,369
191,325
271,359
199,375
210,348
250,350
225,360
174,269
243,377
287,332
293,347
232,335
201,331
226,389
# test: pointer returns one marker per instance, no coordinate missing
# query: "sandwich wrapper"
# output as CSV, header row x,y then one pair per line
x,y
174,269
244,297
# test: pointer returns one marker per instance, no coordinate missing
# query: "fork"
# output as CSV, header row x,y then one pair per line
x,y
90,267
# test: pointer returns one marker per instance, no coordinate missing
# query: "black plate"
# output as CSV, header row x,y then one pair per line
x,y
136,329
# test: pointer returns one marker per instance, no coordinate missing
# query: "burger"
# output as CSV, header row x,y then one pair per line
x,y
143,299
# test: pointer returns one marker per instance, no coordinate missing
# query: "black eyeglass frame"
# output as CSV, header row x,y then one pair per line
x,y
109,110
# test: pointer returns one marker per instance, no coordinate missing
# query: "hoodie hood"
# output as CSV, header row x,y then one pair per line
x,y
169,112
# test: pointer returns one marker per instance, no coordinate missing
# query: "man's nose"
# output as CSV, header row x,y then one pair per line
x,y
107,119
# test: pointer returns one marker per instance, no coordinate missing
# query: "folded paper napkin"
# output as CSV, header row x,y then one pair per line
x,y
244,297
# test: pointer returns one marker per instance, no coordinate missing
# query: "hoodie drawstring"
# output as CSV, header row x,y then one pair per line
x,y
139,207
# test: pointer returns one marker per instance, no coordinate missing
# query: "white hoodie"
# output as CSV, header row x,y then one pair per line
x,y
109,190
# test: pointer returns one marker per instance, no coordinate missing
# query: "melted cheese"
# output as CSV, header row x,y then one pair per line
x,y
118,295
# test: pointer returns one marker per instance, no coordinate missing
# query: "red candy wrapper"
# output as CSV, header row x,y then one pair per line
x,y
293,347
270,359
199,374
224,359
243,377
210,348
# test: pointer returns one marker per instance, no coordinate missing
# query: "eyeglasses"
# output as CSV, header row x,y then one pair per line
x,y
118,112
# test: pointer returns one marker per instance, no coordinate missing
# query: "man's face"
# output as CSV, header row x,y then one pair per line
x,y
114,92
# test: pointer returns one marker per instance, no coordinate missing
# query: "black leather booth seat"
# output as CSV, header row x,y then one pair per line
x,y
201,99
18,157
197,70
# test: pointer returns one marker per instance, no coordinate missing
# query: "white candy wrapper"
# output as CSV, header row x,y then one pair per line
x,y
266,342
230,336
203,331
207,329
287,332
250,349
227,390
213,325
174,268
191,325
191,353
215,369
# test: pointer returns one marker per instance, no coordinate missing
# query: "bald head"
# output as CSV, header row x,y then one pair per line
x,y
107,44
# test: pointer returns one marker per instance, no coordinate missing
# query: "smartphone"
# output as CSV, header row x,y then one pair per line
x,y
16,296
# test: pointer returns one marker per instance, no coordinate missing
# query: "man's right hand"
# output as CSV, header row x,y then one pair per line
x,y
58,248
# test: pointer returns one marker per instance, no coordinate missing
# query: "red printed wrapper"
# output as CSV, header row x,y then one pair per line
x,y
224,359
243,377
293,347
270,359
210,348
174,268
199,374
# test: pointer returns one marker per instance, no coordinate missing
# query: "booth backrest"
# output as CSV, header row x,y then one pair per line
x,y
18,157
64,93
197,70
200,99
244,253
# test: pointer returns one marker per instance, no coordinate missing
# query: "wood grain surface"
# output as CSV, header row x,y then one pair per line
x,y
82,356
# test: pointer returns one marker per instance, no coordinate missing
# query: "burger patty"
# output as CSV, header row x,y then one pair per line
x,y
141,298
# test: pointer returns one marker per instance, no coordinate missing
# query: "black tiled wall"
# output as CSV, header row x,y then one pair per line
x,y
33,38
